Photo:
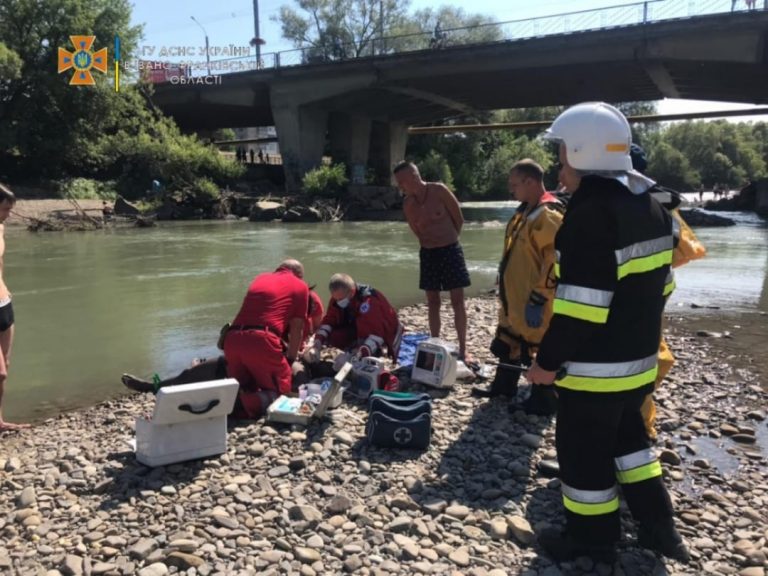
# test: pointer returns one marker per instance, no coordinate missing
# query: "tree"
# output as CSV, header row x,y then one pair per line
x,y
459,28
335,29
55,130
41,114
668,166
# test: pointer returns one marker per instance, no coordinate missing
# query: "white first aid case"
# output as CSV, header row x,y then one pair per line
x,y
189,422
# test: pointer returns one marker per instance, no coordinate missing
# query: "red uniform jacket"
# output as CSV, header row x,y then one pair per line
x,y
369,318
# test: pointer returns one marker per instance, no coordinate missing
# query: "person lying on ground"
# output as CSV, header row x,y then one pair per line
x,y
207,369
275,304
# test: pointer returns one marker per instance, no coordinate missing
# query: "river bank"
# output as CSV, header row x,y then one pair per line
x,y
322,501
49,208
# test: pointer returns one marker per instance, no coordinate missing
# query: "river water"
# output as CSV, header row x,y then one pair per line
x,y
90,306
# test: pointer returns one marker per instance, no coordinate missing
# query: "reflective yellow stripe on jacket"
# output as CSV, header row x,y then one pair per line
x,y
644,256
669,283
609,376
583,303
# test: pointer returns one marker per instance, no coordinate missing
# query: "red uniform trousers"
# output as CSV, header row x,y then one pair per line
x,y
255,359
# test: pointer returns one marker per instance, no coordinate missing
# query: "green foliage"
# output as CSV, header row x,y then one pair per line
x,y
60,131
334,29
223,134
326,181
667,165
495,171
435,168
338,29
10,64
88,189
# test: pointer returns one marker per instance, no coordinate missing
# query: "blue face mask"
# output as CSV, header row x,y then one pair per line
x,y
343,303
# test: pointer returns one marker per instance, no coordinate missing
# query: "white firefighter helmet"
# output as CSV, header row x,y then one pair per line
x,y
596,137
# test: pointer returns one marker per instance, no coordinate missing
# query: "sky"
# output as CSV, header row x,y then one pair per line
x,y
168,24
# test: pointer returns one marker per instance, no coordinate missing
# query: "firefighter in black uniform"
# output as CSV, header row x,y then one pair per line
x,y
614,252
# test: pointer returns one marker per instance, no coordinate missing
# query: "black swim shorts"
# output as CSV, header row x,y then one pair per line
x,y
6,317
443,268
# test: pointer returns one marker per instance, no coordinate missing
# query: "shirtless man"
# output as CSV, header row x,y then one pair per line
x,y
7,201
434,215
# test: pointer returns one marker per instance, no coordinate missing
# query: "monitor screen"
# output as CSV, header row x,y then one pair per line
x,y
425,360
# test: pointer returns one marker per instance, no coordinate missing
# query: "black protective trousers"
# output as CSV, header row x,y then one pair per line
x,y
601,444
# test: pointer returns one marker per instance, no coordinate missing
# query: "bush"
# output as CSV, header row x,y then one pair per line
x,y
435,168
326,181
88,189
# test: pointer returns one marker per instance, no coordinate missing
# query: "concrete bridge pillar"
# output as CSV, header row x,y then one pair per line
x,y
388,140
301,131
350,138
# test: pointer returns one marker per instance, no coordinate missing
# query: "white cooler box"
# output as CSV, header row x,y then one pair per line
x,y
189,422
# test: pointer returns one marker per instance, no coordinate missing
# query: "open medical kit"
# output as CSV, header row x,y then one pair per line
x,y
399,420
435,363
189,422
290,410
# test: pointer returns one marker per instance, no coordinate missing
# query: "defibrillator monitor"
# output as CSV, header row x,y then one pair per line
x,y
435,364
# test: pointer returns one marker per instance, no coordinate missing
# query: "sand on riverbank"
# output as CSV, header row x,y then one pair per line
x,y
43,209
320,500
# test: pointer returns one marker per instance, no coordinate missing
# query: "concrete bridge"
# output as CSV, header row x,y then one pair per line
x,y
362,107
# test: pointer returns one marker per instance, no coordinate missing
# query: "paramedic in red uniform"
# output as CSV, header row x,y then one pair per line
x,y
358,318
276,304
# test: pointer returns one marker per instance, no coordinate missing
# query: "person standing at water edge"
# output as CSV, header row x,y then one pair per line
x,y
434,215
7,201
526,284
614,253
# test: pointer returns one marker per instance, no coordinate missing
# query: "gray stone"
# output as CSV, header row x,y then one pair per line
x,y
73,565
520,529
670,457
744,438
435,506
304,514
183,561
530,440
460,557
400,524
339,504
27,498
156,569
457,511
306,555
141,549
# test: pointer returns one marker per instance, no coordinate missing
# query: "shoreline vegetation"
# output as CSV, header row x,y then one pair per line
x,y
320,500
383,205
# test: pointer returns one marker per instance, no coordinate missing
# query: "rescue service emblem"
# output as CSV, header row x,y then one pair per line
x,y
364,307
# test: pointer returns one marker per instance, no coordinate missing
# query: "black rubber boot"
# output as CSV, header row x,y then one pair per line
x,y
504,384
664,539
561,547
541,402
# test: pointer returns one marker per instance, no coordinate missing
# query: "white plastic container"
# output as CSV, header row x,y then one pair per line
x,y
316,387
189,422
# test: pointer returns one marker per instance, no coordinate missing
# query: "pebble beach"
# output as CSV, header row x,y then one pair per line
x,y
319,500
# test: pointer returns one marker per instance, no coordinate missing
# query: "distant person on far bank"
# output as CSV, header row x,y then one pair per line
x,y
7,202
253,155
434,215
261,156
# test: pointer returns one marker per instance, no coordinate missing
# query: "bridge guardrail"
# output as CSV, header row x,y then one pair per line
x,y
623,15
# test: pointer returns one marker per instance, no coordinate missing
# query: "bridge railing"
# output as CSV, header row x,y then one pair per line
x,y
624,15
